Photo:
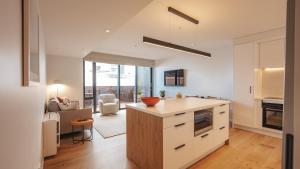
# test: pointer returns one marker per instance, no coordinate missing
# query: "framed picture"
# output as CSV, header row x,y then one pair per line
x,y
174,77
31,47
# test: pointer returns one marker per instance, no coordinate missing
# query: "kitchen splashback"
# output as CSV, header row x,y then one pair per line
x,y
273,83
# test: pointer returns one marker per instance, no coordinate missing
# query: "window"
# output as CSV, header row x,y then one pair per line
x,y
127,82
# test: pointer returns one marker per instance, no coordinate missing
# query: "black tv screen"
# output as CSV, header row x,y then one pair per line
x,y
174,77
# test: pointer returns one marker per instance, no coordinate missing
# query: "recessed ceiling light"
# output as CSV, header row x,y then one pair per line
x,y
84,53
107,30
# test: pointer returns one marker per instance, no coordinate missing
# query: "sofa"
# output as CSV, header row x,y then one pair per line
x,y
108,104
56,105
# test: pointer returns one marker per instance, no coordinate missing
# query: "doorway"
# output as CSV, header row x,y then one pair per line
x,y
127,82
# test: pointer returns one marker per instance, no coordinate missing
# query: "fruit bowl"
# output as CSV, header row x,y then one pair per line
x,y
150,101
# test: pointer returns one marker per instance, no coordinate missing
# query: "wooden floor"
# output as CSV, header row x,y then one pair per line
x,y
246,151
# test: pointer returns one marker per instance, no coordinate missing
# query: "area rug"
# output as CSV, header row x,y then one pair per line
x,y
110,125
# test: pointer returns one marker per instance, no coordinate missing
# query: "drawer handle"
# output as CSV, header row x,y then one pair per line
x,y
178,125
179,147
178,114
222,112
205,135
223,105
221,128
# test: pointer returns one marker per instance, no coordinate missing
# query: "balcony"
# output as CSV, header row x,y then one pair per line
x,y
127,94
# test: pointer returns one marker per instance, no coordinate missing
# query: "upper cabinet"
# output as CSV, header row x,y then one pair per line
x,y
271,53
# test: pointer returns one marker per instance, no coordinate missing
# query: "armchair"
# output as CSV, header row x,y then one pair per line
x,y
108,104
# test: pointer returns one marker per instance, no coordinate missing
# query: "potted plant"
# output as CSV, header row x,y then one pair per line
x,y
162,93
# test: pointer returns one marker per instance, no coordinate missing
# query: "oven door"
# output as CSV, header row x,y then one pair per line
x,y
272,118
203,121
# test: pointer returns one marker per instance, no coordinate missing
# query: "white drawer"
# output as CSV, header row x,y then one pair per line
x,y
178,134
203,143
221,119
222,107
178,157
222,134
221,116
177,119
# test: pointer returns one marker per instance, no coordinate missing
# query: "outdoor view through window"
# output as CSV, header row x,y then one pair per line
x,y
126,82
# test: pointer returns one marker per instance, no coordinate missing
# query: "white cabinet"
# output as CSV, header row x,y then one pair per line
x,y
250,58
181,147
221,123
178,118
203,143
221,116
178,133
51,133
244,65
271,53
178,157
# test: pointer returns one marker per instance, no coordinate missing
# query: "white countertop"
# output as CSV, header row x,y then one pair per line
x,y
170,107
276,100
271,100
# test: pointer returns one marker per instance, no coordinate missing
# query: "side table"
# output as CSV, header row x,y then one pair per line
x,y
84,124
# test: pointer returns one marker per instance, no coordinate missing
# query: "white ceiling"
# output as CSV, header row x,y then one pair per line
x,y
76,27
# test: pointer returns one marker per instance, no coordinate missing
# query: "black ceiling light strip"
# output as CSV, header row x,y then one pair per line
x,y
183,15
174,46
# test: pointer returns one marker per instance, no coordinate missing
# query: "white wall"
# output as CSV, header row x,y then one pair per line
x,y
203,76
21,108
69,71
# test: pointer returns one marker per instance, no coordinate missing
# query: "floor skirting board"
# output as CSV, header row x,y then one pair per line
x,y
264,131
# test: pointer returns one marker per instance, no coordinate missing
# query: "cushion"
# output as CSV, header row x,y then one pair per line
x,y
60,99
66,101
108,98
110,104
53,105
109,108
67,104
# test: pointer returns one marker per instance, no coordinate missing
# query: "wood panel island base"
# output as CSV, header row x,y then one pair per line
x,y
175,133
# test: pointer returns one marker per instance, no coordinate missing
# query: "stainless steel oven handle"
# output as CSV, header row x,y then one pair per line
x,y
273,109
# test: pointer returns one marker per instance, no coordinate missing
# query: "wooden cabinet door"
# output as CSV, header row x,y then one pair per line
x,y
271,53
243,85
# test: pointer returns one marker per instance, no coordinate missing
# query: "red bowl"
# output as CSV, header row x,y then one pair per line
x,y
150,101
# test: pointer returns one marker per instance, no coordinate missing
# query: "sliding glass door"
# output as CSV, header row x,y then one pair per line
x,y
106,80
88,85
128,83
144,82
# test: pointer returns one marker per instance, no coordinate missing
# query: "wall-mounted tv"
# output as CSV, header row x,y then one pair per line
x,y
174,77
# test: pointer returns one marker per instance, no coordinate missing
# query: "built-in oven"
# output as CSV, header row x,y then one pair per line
x,y
272,115
203,121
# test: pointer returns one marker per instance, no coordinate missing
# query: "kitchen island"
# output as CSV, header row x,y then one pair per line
x,y
175,133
